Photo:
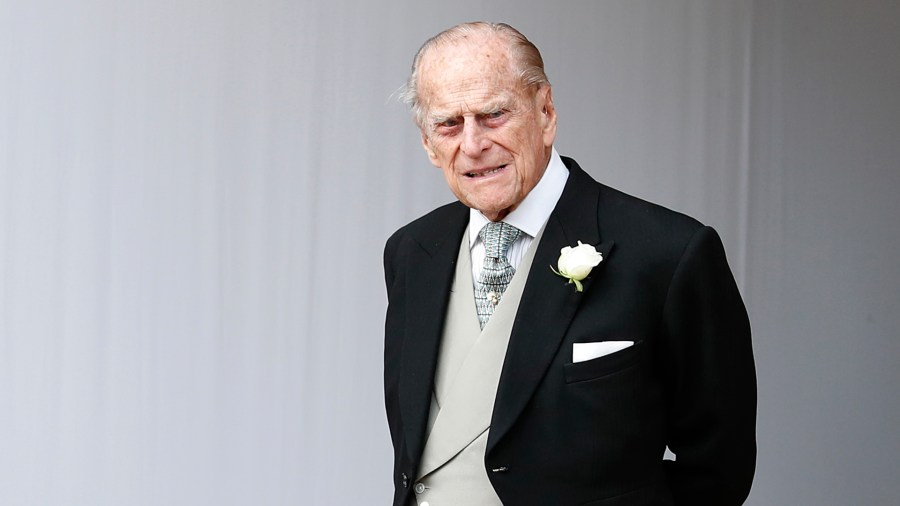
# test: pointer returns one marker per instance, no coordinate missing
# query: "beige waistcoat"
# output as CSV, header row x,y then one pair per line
x,y
452,472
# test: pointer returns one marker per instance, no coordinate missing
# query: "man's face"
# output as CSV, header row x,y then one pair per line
x,y
490,135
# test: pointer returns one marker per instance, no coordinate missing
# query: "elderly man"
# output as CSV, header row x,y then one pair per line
x,y
548,337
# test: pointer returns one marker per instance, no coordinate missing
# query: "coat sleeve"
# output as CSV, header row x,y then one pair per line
x,y
393,334
710,379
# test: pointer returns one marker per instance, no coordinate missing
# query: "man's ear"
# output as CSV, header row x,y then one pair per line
x,y
431,154
548,114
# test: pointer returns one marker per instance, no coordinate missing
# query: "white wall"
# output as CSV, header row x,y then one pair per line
x,y
194,196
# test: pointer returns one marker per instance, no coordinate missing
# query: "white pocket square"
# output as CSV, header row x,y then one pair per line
x,y
582,352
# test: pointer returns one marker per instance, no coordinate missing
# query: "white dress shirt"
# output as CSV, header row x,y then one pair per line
x,y
531,214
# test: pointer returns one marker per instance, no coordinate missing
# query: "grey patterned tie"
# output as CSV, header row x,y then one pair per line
x,y
497,271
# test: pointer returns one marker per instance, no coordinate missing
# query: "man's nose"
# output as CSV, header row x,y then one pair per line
x,y
475,140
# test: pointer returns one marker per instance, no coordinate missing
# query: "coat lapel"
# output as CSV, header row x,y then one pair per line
x,y
431,265
549,301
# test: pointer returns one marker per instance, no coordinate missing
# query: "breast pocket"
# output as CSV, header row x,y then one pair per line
x,y
603,366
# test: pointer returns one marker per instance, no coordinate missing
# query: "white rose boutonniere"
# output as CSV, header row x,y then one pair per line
x,y
576,263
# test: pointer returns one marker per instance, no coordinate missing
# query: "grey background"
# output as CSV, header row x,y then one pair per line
x,y
194,196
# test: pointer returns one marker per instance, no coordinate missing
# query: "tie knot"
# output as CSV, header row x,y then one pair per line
x,y
497,238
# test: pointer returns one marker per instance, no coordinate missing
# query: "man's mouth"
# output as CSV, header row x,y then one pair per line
x,y
485,172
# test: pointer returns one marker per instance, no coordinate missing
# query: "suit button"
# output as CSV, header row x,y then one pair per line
x,y
423,503
420,488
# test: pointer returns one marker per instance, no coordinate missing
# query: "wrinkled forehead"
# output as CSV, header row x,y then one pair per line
x,y
474,50
474,60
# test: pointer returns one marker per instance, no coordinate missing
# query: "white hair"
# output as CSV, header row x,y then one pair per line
x,y
525,55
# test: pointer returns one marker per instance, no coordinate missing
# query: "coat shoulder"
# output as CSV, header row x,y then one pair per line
x,y
649,233
621,212
645,218
425,225
429,232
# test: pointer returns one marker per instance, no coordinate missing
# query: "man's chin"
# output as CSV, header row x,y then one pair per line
x,y
493,212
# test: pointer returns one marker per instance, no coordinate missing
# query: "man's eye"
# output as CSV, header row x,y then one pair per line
x,y
448,123
495,114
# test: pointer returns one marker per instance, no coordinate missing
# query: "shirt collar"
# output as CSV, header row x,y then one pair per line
x,y
533,212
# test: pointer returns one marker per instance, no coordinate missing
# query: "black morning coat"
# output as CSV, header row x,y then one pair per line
x,y
593,432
